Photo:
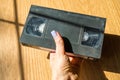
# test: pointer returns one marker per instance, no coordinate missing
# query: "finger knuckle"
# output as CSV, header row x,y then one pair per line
x,y
59,41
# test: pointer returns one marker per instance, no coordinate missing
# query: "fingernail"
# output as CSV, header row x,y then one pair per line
x,y
53,33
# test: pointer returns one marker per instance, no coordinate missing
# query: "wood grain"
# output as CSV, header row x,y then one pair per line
x,y
18,62
7,10
9,53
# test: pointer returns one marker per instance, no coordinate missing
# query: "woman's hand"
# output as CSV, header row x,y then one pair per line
x,y
62,65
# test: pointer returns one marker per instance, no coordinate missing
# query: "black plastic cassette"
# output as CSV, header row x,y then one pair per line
x,y
82,34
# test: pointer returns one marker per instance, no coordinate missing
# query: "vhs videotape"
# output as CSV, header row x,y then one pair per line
x,y
82,34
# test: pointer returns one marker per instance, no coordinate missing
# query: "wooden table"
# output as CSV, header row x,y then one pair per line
x,y
19,62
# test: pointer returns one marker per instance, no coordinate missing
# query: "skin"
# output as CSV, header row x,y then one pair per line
x,y
63,67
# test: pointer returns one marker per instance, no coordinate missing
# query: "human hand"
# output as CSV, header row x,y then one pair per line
x,y
62,65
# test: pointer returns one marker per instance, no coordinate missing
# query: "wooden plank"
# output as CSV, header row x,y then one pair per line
x,y
7,10
10,66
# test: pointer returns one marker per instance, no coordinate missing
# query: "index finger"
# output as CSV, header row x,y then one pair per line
x,y
59,42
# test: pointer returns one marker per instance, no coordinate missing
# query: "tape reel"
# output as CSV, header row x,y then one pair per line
x,y
91,37
35,26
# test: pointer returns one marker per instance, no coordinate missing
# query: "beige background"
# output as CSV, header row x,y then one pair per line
x,y
19,62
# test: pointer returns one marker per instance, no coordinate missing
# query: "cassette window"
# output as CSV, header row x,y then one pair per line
x,y
91,37
35,26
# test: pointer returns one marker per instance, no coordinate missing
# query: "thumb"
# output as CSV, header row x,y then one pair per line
x,y
59,42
